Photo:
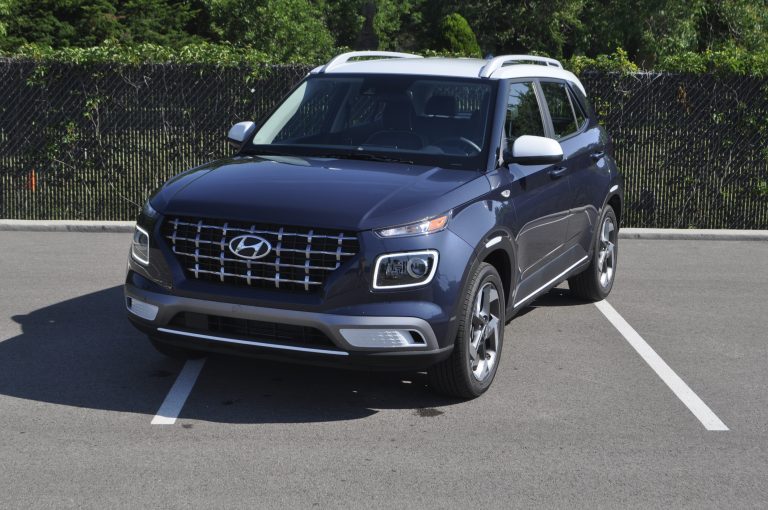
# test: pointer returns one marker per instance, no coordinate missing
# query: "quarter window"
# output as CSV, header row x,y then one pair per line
x,y
523,115
567,117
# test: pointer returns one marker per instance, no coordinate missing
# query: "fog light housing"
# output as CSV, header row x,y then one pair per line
x,y
404,270
383,338
140,246
144,310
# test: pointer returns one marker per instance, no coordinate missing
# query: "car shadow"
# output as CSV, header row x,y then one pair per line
x,y
83,353
555,297
558,297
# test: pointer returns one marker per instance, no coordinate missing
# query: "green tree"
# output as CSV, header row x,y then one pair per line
x,y
393,22
672,27
60,23
458,37
5,10
161,22
64,23
286,29
733,23
513,26
344,19
375,24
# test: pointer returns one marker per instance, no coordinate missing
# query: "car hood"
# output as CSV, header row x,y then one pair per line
x,y
323,193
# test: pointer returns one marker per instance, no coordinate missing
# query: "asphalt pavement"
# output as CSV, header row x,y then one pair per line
x,y
578,416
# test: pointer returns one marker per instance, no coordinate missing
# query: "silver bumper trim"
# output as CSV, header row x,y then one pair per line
x,y
251,343
330,324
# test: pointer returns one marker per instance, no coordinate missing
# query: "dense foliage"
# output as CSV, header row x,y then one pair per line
x,y
457,36
655,34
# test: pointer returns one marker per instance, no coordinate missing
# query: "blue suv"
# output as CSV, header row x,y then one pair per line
x,y
391,212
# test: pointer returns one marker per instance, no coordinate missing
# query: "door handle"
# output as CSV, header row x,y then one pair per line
x,y
557,172
597,155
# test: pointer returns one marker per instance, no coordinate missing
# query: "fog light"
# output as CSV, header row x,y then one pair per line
x,y
402,270
382,338
140,308
140,246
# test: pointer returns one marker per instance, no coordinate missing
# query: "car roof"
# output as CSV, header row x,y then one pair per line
x,y
499,68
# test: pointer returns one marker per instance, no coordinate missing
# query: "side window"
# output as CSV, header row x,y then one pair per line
x,y
567,117
523,116
580,117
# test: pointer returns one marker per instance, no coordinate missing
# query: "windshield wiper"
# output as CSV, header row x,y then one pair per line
x,y
269,152
367,156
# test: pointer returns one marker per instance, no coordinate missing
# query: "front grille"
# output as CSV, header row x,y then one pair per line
x,y
301,258
270,332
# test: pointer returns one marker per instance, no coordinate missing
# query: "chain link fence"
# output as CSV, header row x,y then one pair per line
x,y
693,148
91,142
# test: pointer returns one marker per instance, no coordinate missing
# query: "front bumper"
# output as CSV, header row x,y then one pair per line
x,y
153,313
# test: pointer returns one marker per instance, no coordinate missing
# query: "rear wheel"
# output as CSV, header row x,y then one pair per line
x,y
596,282
173,351
470,369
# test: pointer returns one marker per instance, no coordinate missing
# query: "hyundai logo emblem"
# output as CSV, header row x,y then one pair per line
x,y
250,247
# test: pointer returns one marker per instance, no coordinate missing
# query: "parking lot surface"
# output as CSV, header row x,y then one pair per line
x,y
576,417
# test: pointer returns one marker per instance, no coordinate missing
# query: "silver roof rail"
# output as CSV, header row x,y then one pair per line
x,y
344,57
498,62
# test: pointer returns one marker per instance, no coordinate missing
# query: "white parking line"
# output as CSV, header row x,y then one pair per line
x,y
677,385
174,401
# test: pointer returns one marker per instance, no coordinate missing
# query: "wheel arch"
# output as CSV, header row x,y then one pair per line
x,y
500,260
616,203
497,248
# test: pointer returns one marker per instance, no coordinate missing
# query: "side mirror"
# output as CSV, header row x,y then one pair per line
x,y
239,133
534,150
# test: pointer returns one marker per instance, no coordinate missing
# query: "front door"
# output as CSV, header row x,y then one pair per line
x,y
540,194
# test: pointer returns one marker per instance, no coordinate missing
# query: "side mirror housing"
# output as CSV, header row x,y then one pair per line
x,y
239,133
534,150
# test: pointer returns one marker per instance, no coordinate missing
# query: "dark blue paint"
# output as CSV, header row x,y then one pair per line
x,y
545,223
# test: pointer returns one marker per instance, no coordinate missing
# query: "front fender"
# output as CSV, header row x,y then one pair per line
x,y
478,225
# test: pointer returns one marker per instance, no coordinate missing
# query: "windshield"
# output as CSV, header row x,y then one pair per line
x,y
423,120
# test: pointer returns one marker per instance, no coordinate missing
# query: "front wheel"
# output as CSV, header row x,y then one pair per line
x,y
596,282
470,369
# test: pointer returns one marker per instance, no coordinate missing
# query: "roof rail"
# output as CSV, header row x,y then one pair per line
x,y
497,62
344,57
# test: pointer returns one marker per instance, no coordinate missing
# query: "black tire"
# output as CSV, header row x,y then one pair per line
x,y
173,351
596,282
456,375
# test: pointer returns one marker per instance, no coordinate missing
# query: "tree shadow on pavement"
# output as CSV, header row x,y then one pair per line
x,y
83,353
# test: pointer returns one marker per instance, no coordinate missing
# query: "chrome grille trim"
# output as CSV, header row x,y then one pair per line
x,y
249,262
301,258
306,251
280,232
222,273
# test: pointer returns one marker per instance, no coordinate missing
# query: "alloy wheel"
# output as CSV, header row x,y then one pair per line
x,y
606,259
484,340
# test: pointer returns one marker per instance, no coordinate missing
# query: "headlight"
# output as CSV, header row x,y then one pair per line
x,y
140,246
419,227
402,270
